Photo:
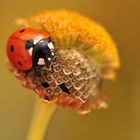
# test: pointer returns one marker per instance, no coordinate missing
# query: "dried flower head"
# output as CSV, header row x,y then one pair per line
x,y
85,55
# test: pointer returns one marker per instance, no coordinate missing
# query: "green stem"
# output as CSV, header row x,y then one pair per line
x,y
41,118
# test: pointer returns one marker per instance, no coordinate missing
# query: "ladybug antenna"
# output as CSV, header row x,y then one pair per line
x,y
29,43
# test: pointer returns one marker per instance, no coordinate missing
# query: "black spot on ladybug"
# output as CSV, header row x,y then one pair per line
x,y
37,71
19,63
64,88
29,43
21,30
12,48
45,84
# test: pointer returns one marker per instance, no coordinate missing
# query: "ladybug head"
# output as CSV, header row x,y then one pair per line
x,y
20,46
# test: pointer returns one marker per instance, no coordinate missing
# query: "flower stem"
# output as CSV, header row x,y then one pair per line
x,y
41,118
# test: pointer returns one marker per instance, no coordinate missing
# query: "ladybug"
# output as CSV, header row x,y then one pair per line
x,y
28,48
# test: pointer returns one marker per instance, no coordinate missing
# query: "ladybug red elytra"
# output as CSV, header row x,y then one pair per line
x,y
28,48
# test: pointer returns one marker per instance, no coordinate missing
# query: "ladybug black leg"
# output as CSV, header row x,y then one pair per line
x,y
37,70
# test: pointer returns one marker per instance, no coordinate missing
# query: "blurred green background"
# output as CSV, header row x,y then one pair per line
x,y
122,120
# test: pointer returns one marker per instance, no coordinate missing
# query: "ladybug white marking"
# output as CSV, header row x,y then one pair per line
x,y
52,53
30,51
38,38
51,46
41,61
49,59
